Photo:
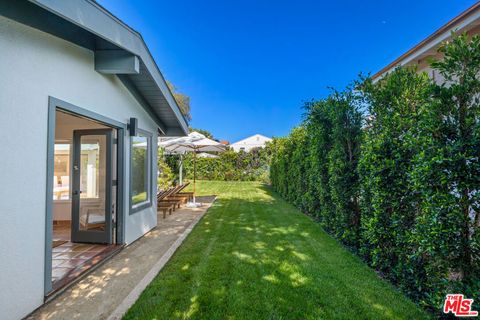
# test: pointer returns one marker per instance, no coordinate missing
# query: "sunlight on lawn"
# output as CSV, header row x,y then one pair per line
x,y
253,256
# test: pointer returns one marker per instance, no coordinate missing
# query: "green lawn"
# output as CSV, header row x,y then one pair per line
x,y
253,256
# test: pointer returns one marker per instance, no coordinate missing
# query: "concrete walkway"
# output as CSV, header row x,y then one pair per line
x,y
108,291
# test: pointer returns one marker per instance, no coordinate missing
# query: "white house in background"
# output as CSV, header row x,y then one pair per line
x,y
467,21
76,83
247,144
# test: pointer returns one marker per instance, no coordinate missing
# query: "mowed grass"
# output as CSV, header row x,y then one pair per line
x,y
254,256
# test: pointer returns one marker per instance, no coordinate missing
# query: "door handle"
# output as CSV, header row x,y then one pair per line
x,y
76,192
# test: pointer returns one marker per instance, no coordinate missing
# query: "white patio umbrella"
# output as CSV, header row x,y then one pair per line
x,y
195,142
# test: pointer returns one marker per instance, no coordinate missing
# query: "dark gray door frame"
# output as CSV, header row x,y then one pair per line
x,y
91,236
55,104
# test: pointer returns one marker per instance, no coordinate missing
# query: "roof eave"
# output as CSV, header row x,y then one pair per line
x,y
457,24
92,17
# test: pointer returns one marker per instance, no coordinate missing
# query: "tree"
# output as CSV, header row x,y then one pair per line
x,y
346,136
404,188
319,127
389,201
165,175
206,133
183,101
447,172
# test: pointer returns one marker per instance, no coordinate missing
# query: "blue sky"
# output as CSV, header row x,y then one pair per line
x,y
249,65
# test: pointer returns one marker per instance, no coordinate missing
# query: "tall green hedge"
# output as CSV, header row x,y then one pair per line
x,y
389,200
392,169
228,166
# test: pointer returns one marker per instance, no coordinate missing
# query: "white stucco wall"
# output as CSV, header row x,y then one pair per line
x,y
247,144
33,66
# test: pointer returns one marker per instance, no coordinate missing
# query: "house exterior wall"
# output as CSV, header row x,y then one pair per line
x,y
34,66
255,141
420,58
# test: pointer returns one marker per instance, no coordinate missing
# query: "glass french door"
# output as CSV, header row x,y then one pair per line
x,y
92,202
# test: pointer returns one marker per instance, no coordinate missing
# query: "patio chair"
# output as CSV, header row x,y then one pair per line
x,y
189,194
175,195
164,202
164,206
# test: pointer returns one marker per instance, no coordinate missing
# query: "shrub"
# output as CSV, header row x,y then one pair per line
x,y
389,200
229,166
315,166
446,174
165,174
404,188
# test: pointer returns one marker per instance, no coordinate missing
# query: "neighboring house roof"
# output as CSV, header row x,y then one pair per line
x,y
87,24
224,142
252,140
464,22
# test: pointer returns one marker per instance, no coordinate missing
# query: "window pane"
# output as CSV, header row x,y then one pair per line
x,y
92,182
61,172
140,163
92,185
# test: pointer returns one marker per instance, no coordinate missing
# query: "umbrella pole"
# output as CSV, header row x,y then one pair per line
x,y
194,173
181,169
